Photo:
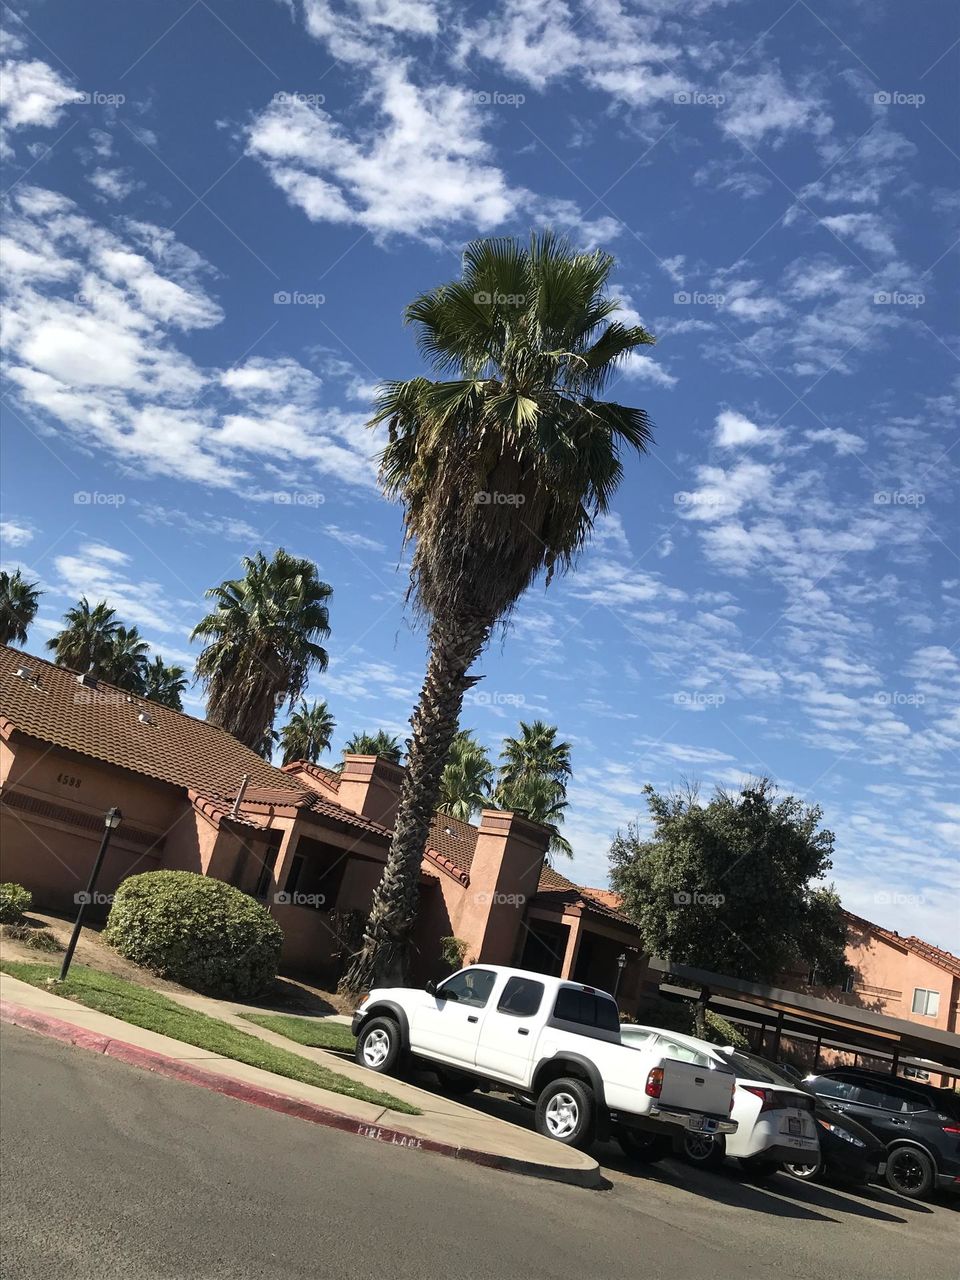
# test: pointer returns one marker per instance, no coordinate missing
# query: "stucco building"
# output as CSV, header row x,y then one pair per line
x,y
310,843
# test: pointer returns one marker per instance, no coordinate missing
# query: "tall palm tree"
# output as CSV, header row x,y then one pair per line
x,y
19,600
381,744
307,733
534,769
467,778
502,466
87,639
543,800
125,662
263,638
164,684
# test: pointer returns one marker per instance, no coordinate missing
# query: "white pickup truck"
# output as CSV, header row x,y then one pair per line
x,y
552,1043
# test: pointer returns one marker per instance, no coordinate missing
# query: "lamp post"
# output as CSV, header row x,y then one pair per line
x,y
111,820
621,965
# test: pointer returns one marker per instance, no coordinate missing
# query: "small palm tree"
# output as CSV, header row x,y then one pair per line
x,y
87,639
263,643
164,684
541,799
19,600
307,733
467,779
381,744
534,755
125,663
502,466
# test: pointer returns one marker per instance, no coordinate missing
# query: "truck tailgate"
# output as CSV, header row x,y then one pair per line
x,y
691,1088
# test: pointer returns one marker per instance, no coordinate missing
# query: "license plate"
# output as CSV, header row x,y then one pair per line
x,y
702,1124
794,1126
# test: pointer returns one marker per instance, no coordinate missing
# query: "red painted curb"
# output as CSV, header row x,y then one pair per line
x,y
66,1032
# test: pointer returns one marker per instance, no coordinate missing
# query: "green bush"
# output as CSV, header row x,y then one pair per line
x,y
198,931
14,901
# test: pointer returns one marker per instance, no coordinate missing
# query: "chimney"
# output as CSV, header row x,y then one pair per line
x,y
504,876
370,786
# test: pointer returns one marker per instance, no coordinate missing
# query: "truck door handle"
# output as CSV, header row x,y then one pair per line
x,y
523,1031
472,1017
893,1121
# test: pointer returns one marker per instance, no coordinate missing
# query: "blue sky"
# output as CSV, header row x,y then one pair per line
x,y
216,214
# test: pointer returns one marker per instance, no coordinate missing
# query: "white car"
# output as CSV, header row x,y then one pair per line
x,y
775,1123
552,1043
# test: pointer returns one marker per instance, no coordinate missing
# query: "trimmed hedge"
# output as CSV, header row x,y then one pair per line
x,y
14,901
198,931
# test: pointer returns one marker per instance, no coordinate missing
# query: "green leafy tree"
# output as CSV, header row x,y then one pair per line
x,y
164,684
19,601
534,769
726,886
125,662
467,780
502,465
263,643
307,733
87,640
380,743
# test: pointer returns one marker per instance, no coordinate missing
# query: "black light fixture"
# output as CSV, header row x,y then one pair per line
x,y
111,820
621,965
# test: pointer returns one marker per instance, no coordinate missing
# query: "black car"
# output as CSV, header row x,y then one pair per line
x,y
918,1124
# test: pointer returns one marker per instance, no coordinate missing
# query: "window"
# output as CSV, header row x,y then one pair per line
x,y
265,878
926,1002
471,986
875,1095
829,1087
296,871
683,1053
521,997
587,1009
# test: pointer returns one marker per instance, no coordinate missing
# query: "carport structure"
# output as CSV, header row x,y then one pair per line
x,y
813,1026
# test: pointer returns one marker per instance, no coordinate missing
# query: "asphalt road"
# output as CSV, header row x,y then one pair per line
x,y
112,1172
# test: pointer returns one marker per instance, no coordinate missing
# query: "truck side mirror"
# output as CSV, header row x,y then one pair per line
x,y
431,988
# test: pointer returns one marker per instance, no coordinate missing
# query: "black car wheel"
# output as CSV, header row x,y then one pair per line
x,y
705,1150
758,1168
910,1172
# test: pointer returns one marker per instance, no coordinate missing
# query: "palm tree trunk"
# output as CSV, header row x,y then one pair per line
x,y
383,960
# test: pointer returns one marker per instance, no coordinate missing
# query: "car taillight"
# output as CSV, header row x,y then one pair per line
x,y
654,1085
765,1096
951,1128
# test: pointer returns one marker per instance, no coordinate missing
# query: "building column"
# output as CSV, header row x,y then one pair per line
x,y
575,926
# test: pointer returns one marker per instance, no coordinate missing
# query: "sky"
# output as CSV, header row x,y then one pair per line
x,y
215,214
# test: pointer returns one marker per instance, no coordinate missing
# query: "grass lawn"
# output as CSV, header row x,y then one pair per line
x,y
155,1012
318,1033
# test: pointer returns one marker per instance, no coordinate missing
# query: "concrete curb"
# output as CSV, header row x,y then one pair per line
x,y
146,1059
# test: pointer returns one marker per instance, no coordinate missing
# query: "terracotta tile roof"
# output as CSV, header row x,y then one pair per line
x,y
606,898
926,950
329,777
265,799
454,841
103,723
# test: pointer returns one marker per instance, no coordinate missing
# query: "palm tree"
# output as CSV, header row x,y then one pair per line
x,y
263,635
467,778
502,466
164,684
541,799
534,769
381,744
87,639
308,732
125,662
19,600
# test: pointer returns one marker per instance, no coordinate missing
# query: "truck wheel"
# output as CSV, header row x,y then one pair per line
x,y
566,1112
645,1148
379,1046
909,1172
705,1150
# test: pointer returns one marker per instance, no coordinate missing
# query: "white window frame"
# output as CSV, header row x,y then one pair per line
x,y
929,1008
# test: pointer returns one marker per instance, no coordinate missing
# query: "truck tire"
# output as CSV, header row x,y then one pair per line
x,y
644,1148
379,1046
706,1151
566,1112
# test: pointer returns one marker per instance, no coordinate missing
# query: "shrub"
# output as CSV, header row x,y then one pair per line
x,y
37,939
198,931
453,950
14,901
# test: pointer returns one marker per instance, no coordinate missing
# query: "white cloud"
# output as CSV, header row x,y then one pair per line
x,y
351,538
734,431
15,534
32,95
762,108
869,230
100,572
113,184
644,368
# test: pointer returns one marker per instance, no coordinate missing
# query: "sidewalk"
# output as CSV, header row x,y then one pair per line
x,y
444,1128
